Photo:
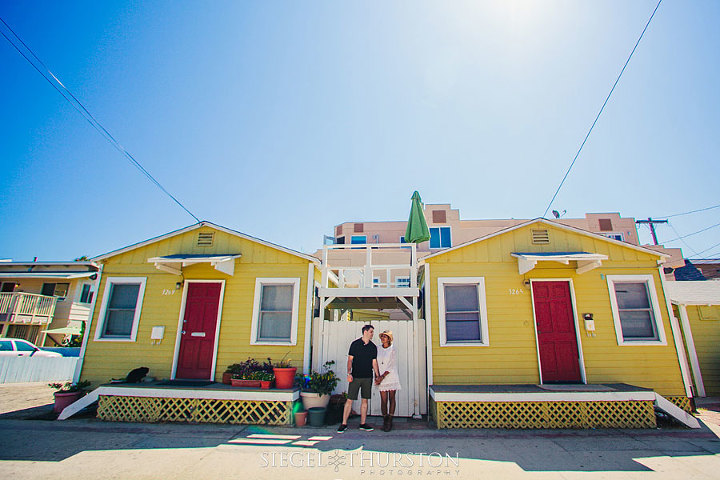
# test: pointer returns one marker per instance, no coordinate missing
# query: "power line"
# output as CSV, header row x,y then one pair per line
x,y
681,238
691,211
694,233
601,109
703,251
80,108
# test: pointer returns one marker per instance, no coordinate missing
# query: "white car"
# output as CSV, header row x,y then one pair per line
x,y
16,347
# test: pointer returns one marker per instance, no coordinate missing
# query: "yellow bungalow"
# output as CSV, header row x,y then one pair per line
x,y
188,304
546,325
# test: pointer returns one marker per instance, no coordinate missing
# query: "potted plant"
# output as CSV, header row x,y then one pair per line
x,y
284,373
246,374
319,387
266,380
67,393
230,371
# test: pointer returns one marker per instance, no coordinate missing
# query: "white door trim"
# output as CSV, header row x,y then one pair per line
x,y
178,335
581,359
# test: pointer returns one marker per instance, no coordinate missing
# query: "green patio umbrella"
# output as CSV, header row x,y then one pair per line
x,y
417,230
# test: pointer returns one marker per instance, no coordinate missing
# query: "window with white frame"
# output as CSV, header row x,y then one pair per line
x,y
462,311
614,236
275,311
440,237
120,309
402,282
86,295
59,290
636,310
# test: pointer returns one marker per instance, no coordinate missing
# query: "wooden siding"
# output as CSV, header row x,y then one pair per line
x,y
705,325
511,356
106,360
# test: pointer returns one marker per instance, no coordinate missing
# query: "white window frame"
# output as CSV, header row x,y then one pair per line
x,y
611,234
80,288
440,228
401,277
655,305
109,282
259,282
482,304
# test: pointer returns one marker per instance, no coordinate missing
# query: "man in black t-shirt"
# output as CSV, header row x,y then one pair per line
x,y
362,362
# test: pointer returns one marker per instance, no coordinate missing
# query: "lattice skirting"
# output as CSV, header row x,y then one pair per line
x,y
201,410
616,414
681,401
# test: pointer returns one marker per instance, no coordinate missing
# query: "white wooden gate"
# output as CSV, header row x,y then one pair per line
x,y
331,341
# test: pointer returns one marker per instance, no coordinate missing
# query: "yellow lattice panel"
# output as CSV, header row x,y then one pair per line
x,y
681,401
142,409
621,414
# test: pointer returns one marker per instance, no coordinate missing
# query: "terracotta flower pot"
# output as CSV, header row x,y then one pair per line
x,y
236,382
266,384
227,378
63,399
284,377
300,419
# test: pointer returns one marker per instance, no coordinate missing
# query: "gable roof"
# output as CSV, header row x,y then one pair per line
x,y
211,225
552,224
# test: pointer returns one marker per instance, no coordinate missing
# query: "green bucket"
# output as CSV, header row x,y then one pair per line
x,y
316,416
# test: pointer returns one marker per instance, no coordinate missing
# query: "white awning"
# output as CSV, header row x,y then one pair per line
x,y
175,263
585,261
705,292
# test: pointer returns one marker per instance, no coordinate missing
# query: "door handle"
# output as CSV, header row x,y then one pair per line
x,y
183,332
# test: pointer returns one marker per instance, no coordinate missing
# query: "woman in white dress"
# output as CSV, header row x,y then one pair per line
x,y
389,380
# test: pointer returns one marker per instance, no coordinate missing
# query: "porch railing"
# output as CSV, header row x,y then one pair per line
x,y
403,268
21,307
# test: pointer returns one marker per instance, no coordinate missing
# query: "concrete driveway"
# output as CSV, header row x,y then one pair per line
x,y
88,448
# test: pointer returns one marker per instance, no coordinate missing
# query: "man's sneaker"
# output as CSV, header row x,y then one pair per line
x,y
342,428
366,427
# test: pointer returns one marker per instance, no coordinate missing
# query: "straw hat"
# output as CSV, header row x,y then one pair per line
x,y
389,334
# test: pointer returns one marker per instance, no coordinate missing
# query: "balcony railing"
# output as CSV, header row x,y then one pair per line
x,y
345,266
21,307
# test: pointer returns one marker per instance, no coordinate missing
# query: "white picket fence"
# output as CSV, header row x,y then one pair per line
x,y
37,369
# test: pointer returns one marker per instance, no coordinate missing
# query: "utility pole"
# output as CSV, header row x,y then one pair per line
x,y
651,223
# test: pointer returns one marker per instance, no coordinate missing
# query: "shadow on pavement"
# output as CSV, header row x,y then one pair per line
x,y
532,450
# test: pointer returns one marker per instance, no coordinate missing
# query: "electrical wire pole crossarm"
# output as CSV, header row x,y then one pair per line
x,y
651,223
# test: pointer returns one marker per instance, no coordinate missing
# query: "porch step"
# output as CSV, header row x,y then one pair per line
x,y
676,412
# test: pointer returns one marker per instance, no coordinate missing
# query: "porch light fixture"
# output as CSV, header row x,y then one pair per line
x,y
178,285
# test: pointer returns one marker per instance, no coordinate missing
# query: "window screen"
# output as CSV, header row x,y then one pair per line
x,y
275,313
121,310
636,313
86,296
462,313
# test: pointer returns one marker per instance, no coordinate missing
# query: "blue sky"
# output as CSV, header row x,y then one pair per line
x,y
282,119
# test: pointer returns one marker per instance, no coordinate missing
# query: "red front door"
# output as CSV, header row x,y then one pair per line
x,y
557,342
197,338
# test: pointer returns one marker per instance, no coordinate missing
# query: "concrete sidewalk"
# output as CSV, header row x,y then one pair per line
x,y
93,449
87,448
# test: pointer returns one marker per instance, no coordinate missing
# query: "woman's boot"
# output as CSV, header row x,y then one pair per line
x,y
389,423
386,421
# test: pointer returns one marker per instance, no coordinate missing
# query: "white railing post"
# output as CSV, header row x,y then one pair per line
x,y
367,271
325,266
413,265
